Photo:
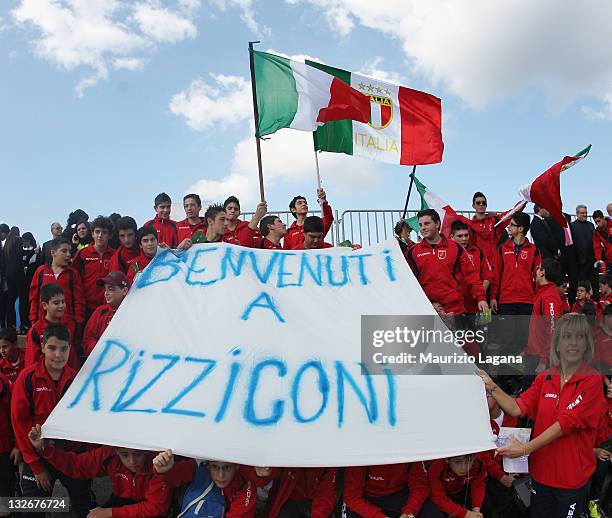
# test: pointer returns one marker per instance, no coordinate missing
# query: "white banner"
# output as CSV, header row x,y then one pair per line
x,y
253,356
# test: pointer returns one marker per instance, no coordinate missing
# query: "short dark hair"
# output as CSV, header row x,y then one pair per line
x,y
293,202
9,334
597,214
103,223
313,224
231,199
50,290
458,225
56,330
59,241
429,212
585,284
265,223
126,223
212,211
194,196
478,194
4,228
147,230
605,279
162,197
522,220
552,270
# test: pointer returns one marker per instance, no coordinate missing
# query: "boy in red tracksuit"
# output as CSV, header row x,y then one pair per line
x,y
484,233
67,277
93,263
186,228
35,393
54,306
461,236
583,294
442,267
12,357
139,489
238,232
164,226
147,240
602,337
312,235
9,455
116,286
128,251
272,230
385,490
605,290
299,209
602,241
298,492
458,485
547,309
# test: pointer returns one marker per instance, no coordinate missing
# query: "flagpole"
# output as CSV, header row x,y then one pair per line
x,y
409,191
256,115
314,147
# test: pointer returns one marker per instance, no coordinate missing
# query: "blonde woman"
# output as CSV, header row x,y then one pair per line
x,y
566,402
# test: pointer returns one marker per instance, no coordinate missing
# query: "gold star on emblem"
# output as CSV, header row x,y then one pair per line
x,y
361,86
370,88
379,89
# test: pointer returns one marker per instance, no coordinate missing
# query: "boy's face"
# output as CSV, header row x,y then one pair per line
x,y
514,229
480,205
100,236
601,223
192,209
604,289
313,240
148,244
56,307
581,293
301,206
163,210
427,227
279,227
114,295
219,223
461,465
134,460
61,256
462,237
127,237
81,230
56,353
232,211
222,473
8,350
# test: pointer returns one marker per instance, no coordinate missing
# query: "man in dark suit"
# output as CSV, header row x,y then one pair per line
x,y
56,231
547,234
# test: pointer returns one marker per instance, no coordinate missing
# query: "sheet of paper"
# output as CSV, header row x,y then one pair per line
x,y
520,464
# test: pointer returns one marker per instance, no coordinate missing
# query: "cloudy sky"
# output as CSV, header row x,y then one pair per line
x,y
105,103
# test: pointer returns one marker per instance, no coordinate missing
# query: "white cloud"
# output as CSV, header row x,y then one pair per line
x,y
247,15
481,50
102,34
227,101
163,25
372,68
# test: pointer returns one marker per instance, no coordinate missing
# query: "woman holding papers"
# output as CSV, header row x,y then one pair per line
x,y
566,402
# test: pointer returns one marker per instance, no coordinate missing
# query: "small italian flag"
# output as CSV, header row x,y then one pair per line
x,y
405,126
545,190
430,200
296,95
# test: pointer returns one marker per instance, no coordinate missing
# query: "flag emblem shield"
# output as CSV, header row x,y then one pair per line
x,y
381,111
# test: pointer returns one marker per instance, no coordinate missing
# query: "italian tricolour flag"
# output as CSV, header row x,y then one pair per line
x,y
430,200
296,95
405,125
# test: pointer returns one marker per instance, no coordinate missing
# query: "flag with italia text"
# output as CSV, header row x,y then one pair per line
x,y
405,125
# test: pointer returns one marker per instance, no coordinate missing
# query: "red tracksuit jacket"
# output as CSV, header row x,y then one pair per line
x,y
240,497
123,258
185,230
263,242
295,233
151,491
12,371
300,246
603,347
241,235
441,270
567,462
486,273
602,243
362,482
166,231
96,325
547,309
314,484
444,484
92,267
516,271
29,409
485,235
7,441
71,282
140,264
33,351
